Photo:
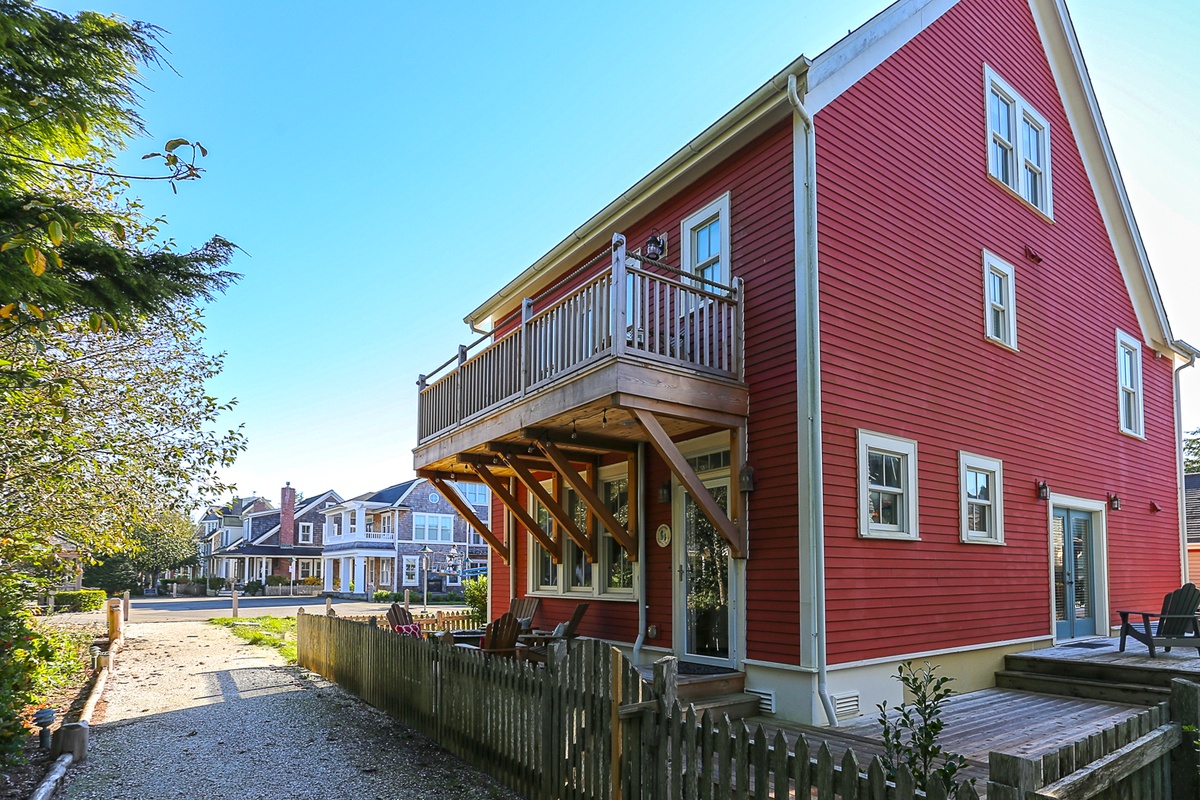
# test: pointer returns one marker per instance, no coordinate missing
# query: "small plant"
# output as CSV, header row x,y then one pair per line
x,y
216,584
911,738
310,581
276,580
384,597
254,587
475,591
82,600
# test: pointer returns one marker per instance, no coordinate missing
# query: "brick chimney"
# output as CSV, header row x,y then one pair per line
x,y
287,516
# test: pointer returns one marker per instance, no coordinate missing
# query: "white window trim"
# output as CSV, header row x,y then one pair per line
x,y
415,563
300,533
907,448
970,461
720,208
994,264
1125,341
425,528
1021,111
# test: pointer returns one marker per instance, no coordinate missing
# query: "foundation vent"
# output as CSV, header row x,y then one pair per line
x,y
846,705
766,700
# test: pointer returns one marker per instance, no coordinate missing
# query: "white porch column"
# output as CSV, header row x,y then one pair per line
x,y
327,572
360,572
345,523
345,577
246,568
360,521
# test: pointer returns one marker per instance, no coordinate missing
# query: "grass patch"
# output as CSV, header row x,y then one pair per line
x,y
277,632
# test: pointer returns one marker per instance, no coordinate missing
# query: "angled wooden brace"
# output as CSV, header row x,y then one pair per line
x,y
463,507
554,548
588,494
552,506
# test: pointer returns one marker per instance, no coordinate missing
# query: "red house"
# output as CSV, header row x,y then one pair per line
x,y
874,369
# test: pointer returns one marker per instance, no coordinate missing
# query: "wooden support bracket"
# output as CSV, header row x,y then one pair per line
x,y
552,506
554,548
463,507
691,481
588,494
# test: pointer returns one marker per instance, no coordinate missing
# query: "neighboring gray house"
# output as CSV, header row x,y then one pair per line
x,y
373,542
284,541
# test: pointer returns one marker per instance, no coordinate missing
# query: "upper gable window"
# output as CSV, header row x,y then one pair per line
x,y
1000,300
1018,144
705,238
1129,384
305,534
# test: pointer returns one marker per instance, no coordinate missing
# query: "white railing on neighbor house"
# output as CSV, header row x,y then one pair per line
x,y
634,308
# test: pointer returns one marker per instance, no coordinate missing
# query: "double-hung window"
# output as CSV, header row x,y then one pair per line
x,y
1018,144
705,244
305,534
412,565
1129,384
981,490
887,486
1000,300
545,570
433,527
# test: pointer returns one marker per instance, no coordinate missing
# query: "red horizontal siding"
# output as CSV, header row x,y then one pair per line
x,y
904,214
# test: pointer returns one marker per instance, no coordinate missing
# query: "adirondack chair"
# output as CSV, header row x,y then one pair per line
x,y
523,608
1177,622
539,642
400,619
500,637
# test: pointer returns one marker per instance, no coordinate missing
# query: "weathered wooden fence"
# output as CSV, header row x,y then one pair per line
x,y
588,726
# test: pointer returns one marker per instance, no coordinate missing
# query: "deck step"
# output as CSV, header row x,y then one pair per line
x,y
1088,688
1159,675
697,687
737,706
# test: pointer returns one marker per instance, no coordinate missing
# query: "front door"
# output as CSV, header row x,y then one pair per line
x,y
706,590
1074,574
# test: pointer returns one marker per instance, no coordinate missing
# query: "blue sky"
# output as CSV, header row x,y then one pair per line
x,y
386,166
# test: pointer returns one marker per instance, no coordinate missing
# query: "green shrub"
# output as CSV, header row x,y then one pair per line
x,y
182,579
276,580
384,597
82,600
912,738
216,583
253,587
310,581
475,591
114,576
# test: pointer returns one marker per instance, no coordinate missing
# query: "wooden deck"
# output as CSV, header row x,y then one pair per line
x,y
1003,720
1183,662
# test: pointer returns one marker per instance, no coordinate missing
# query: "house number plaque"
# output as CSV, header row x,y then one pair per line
x,y
663,535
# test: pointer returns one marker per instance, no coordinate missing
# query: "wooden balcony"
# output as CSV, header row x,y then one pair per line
x,y
636,352
635,331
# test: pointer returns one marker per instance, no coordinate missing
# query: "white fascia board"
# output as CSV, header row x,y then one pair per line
x,y
766,105
1091,137
849,60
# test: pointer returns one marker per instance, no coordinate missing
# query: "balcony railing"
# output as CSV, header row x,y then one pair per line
x,y
633,308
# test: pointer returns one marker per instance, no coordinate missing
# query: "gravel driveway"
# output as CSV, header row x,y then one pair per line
x,y
192,711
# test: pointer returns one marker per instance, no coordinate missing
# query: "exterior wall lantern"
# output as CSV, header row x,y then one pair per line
x,y
1114,503
1043,490
664,493
655,246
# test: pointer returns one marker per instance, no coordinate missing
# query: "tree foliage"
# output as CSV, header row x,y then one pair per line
x,y
1191,451
166,542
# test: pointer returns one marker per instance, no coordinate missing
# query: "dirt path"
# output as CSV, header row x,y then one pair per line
x,y
193,712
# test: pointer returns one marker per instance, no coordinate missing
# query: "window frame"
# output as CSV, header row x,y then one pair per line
x,y
300,538
867,442
994,265
719,209
972,462
415,563
1133,345
1022,113
425,527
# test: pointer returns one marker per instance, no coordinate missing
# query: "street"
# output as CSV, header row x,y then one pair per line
x,y
191,609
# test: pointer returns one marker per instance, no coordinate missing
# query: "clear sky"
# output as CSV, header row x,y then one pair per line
x,y
386,166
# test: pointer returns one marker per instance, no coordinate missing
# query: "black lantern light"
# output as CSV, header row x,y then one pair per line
x,y
1114,503
654,246
1043,490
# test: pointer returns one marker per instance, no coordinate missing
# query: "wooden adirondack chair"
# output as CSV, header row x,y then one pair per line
x,y
500,637
539,642
523,608
400,620
1177,622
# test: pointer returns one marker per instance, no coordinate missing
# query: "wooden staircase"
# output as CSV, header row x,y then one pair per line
x,y
718,694
1092,680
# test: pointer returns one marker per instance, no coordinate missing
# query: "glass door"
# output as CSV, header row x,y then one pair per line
x,y
1071,555
705,573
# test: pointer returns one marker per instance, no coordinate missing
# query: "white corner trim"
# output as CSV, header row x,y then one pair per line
x,y
849,60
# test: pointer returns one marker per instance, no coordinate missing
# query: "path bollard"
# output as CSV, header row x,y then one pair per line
x,y
233,597
125,604
328,606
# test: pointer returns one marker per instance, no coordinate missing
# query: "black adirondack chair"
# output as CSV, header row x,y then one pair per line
x,y
1177,622
539,641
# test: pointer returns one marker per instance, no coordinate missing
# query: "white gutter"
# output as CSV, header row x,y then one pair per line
x,y
641,544
812,382
1191,353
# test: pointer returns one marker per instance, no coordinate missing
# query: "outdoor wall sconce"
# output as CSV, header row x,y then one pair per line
x,y
1114,503
1043,490
664,492
746,478
656,245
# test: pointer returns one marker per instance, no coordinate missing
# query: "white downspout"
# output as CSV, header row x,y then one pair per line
x,y
1182,499
641,545
812,382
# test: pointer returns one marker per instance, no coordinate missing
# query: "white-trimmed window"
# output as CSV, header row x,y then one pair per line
x,y
433,527
705,243
1018,144
304,534
981,497
476,494
579,569
385,522
615,566
887,486
1129,384
545,571
1000,300
412,570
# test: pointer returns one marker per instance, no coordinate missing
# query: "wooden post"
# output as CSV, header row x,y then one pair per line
x,y
406,591
125,604
666,691
620,295
618,669
233,601
526,342
328,606
1012,777
1185,709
